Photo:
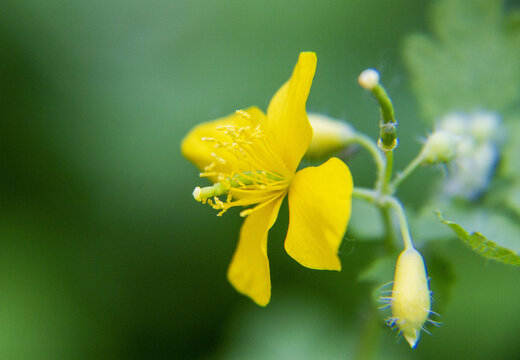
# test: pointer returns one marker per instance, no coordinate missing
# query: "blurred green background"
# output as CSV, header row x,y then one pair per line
x,y
103,251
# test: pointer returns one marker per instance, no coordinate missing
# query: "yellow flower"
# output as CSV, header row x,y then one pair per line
x,y
252,158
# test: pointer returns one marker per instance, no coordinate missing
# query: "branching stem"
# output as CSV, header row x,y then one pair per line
x,y
401,176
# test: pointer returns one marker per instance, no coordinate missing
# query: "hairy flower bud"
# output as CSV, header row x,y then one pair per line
x,y
410,301
329,136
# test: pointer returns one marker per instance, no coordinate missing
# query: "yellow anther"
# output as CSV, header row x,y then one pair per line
x,y
234,186
218,158
218,203
209,167
244,114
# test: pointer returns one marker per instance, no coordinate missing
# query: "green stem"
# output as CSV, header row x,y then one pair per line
x,y
372,148
403,222
401,176
365,194
385,202
389,167
390,238
385,103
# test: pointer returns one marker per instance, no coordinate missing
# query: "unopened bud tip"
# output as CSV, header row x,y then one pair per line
x,y
369,79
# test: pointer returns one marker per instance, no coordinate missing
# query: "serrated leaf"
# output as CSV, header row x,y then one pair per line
x,y
471,61
481,245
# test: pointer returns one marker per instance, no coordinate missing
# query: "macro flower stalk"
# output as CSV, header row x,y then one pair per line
x,y
410,299
369,80
252,160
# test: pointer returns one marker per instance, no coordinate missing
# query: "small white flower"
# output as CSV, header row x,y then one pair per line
x,y
456,123
484,126
472,168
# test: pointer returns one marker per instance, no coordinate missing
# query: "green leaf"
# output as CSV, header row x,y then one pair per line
x,y
470,63
481,245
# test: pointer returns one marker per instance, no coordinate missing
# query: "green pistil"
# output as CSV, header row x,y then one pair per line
x,y
237,181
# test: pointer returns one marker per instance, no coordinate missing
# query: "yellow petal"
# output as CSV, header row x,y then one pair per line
x,y
319,210
289,130
200,152
249,269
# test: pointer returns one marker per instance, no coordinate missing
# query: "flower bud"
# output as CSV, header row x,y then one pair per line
x,y
441,146
410,301
368,79
329,136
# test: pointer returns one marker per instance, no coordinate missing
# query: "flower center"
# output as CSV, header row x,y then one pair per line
x,y
241,169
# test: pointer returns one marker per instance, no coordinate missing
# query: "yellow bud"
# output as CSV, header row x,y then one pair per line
x,y
329,136
410,301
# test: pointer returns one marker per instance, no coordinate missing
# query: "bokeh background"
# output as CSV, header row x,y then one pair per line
x,y
103,251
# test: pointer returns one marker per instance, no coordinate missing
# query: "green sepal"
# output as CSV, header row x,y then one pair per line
x,y
479,244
